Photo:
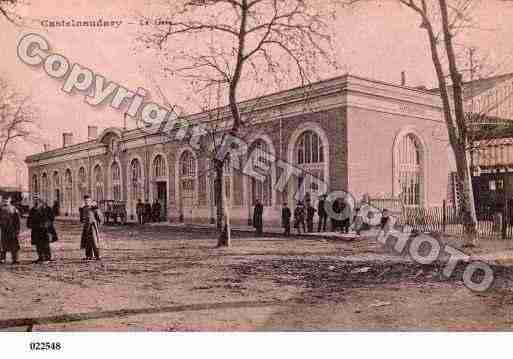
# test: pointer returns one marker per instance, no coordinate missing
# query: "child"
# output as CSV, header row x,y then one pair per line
x,y
299,217
285,218
385,221
358,221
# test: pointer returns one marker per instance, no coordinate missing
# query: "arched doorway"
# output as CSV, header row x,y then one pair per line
x,y
82,184
45,190
409,170
57,193
187,184
159,184
260,190
35,186
310,155
68,192
98,183
115,181
135,185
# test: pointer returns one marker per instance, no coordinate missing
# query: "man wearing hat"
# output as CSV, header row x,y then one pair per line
x,y
321,212
9,230
39,223
90,241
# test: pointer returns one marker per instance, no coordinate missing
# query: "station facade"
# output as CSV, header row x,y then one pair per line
x,y
355,134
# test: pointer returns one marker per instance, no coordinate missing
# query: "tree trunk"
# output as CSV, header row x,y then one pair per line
x,y
222,214
466,199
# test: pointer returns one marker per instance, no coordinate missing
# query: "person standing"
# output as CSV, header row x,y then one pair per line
x,y
139,210
39,224
56,208
258,214
310,213
10,229
156,211
285,218
50,216
337,211
346,216
299,217
321,212
147,211
358,221
90,240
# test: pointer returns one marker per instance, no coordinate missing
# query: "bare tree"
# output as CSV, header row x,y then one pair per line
x,y
442,20
226,43
7,8
17,121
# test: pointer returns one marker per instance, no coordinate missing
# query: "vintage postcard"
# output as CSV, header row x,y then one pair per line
x,y
255,165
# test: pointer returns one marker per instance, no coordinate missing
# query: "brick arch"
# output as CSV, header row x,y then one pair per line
x,y
168,170
68,197
110,181
424,161
93,179
178,192
131,206
317,129
246,179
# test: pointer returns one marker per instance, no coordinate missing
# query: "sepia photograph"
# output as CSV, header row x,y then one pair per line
x,y
332,173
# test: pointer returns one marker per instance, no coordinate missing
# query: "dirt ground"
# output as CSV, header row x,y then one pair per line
x,y
157,278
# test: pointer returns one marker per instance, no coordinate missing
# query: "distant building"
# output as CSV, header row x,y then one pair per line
x,y
358,135
490,100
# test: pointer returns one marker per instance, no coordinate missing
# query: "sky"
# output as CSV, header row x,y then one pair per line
x,y
376,40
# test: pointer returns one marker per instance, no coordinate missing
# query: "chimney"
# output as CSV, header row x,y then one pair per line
x,y
92,132
67,139
403,78
46,147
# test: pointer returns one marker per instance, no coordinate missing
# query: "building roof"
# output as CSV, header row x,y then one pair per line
x,y
479,86
266,102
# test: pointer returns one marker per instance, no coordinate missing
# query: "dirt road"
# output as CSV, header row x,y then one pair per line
x,y
154,278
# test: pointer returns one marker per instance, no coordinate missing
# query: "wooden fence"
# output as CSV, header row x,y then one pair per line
x,y
447,219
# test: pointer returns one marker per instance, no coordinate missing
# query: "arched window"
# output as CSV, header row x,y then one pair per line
x,y
82,183
98,183
309,156
261,190
227,174
45,188
35,185
115,181
409,170
135,183
56,182
68,191
309,149
159,167
187,173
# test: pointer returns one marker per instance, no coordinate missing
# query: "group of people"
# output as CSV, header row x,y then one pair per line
x,y
147,212
342,216
304,215
40,221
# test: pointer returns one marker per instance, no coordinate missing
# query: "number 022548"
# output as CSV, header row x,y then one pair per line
x,y
45,346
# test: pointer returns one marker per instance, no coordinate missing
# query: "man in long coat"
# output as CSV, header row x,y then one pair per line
x,y
299,217
147,211
285,218
50,214
139,210
321,212
258,214
155,209
39,224
90,241
310,213
9,231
